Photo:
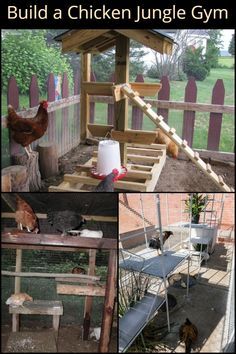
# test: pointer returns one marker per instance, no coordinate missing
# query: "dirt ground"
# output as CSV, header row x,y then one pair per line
x,y
69,340
177,175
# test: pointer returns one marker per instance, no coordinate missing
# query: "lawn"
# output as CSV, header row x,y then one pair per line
x,y
226,61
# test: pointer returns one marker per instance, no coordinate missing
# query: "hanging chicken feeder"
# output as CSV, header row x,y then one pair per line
x,y
108,159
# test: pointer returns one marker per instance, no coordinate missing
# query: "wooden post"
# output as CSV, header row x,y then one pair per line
x,y
84,97
110,107
122,76
52,115
33,92
48,159
109,303
16,317
92,104
89,299
189,116
218,96
19,178
164,95
137,114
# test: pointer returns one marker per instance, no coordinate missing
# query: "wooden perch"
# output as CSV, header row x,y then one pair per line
x,y
90,290
51,275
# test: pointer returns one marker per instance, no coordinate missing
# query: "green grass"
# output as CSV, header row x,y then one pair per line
x,y
226,61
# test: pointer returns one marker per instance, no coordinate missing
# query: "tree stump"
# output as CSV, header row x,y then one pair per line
x,y
32,165
6,182
19,178
48,159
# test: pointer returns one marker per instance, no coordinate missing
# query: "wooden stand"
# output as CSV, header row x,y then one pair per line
x,y
48,159
19,178
144,167
32,165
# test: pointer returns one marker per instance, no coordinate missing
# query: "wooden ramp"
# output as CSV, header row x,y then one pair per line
x,y
144,165
159,121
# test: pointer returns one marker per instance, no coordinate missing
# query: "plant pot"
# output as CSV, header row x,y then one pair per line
x,y
195,219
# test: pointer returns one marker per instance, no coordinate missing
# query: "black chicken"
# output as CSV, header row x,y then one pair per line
x,y
155,242
107,185
65,220
188,334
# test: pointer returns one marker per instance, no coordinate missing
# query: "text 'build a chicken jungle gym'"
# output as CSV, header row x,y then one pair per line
x,y
173,283
138,162
63,272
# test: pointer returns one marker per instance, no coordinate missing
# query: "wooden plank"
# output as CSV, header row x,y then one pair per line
x,y
214,131
129,136
142,151
79,280
136,174
109,303
99,130
98,88
33,92
156,171
84,104
74,40
92,104
189,116
71,276
18,269
85,290
38,307
110,106
144,159
146,89
122,75
89,299
58,240
151,40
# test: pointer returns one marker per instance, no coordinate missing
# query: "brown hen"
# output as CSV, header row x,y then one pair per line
x,y
25,216
27,130
188,333
18,299
171,148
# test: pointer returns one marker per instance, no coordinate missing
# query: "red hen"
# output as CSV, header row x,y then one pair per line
x,y
27,130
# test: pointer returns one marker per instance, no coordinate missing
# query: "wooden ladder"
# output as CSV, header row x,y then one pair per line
x,y
183,144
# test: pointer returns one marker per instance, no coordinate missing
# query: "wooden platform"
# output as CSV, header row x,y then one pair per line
x,y
145,163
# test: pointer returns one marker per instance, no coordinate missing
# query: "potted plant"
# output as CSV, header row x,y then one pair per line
x,y
198,203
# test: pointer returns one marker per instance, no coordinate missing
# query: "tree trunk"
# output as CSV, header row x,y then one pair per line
x,y
19,178
32,165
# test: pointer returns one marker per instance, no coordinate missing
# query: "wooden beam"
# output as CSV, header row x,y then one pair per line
x,y
151,40
21,238
78,277
109,303
99,130
74,40
122,76
134,136
82,290
84,97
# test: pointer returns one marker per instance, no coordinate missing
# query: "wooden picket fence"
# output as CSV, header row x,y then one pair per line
x,y
64,114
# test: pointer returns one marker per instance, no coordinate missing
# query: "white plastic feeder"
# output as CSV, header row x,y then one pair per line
x,y
108,157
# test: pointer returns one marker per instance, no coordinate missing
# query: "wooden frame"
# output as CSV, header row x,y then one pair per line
x,y
49,242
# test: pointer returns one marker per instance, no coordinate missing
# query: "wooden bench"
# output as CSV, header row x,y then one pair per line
x,y
37,307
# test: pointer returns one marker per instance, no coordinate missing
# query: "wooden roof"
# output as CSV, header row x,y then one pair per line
x,y
100,40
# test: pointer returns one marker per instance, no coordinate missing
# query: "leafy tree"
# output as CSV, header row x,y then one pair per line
x,y
231,45
24,53
214,43
104,63
195,64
